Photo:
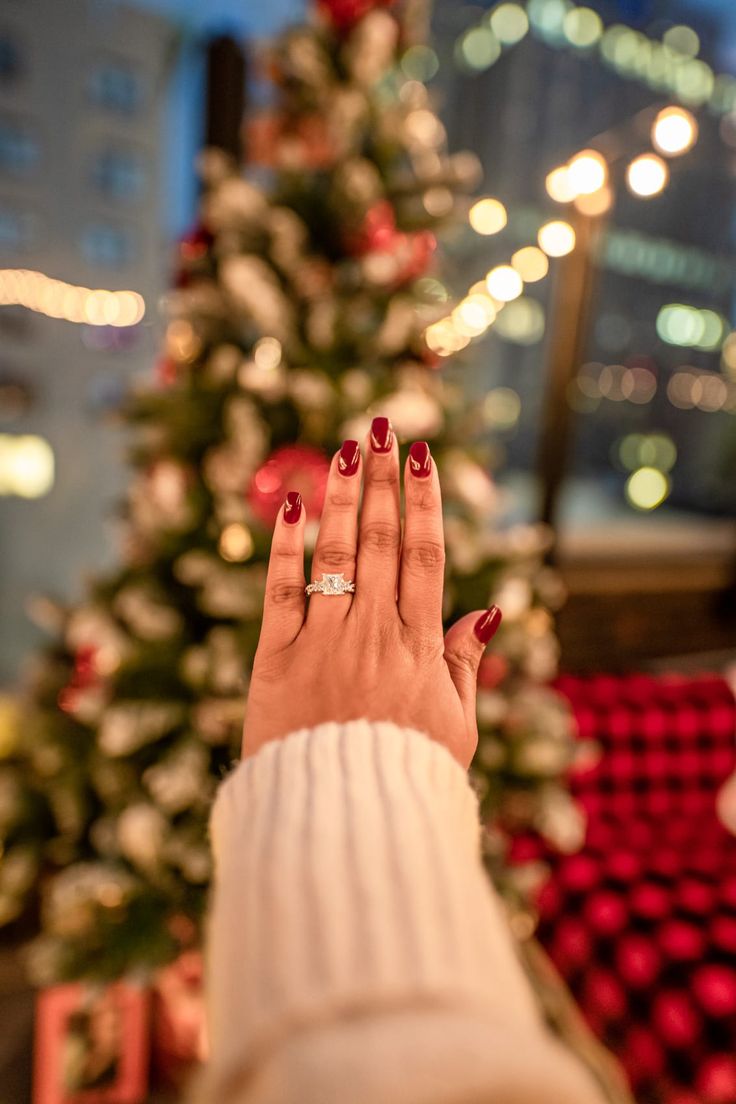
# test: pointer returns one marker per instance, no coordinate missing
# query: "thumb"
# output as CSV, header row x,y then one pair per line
x,y
465,642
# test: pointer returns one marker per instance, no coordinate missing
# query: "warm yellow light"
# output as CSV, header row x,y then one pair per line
x,y
438,201
557,238
647,488
729,355
596,204
531,264
488,216
478,48
26,466
504,283
443,339
683,40
56,299
522,321
267,353
675,131
501,408
509,23
647,175
236,543
582,27
559,186
587,172
470,318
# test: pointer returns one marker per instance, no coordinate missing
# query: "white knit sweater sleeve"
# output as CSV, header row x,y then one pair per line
x,y
356,953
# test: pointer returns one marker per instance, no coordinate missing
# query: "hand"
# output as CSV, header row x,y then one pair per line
x,y
378,654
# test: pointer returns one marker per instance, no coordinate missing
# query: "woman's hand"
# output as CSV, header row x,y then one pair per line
x,y
379,653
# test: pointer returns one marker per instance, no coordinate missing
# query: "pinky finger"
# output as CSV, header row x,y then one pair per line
x,y
284,604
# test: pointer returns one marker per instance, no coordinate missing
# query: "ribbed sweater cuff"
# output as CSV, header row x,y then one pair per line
x,y
348,879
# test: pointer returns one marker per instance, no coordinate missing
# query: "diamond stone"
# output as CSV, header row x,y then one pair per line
x,y
333,584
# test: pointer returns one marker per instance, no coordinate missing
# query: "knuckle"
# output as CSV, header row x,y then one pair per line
x,y
380,537
383,476
285,552
463,660
282,593
424,555
334,554
339,501
423,499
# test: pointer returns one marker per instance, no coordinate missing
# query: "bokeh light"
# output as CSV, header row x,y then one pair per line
x,y
26,465
587,172
558,185
420,63
504,283
654,450
509,23
501,408
690,327
521,321
683,40
477,49
675,131
236,543
531,264
595,204
582,27
556,238
647,175
488,216
647,488
57,299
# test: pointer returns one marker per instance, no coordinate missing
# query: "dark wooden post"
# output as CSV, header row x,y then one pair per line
x,y
225,95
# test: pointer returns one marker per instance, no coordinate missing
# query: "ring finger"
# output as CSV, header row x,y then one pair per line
x,y
335,551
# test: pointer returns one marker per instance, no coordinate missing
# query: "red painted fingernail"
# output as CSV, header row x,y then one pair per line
x,y
420,460
292,508
485,627
349,458
382,436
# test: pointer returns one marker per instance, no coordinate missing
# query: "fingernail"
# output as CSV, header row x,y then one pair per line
x,y
349,458
292,508
485,627
382,437
420,460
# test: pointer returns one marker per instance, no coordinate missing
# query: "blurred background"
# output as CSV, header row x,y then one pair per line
x,y
98,136
585,294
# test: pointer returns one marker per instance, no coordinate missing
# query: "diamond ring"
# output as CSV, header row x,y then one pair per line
x,y
332,584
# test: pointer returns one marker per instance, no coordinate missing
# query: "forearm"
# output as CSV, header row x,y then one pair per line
x,y
349,889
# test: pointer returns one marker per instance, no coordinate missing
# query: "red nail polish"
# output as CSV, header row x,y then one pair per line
x,y
486,626
349,458
420,460
382,436
292,508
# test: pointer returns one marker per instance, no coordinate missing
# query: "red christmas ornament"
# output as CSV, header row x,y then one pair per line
x,y
166,372
84,676
404,256
493,670
344,14
194,244
291,468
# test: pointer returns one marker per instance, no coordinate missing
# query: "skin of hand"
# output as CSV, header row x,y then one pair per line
x,y
377,654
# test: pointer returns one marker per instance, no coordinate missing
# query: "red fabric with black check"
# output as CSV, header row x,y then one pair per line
x,y
642,922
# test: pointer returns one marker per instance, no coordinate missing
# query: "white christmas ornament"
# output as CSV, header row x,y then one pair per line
x,y
141,831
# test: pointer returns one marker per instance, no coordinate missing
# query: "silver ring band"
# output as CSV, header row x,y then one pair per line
x,y
331,585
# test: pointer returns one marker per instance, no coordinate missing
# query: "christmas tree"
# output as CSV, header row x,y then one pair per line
x,y
299,312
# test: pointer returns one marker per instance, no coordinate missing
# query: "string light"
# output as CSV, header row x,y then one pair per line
x,y
582,27
680,324
504,283
531,264
647,488
57,299
509,23
556,238
558,185
236,543
595,204
522,321
587,172
488,216
647,175
675,131
683,40
26,466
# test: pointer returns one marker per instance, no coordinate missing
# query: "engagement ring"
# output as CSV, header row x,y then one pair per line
x,y
332,584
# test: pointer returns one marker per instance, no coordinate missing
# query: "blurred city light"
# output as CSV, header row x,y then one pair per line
x,y
501,408
647,175
420,63
683,40
509,23
559,186
531,264
488,216
647,488
58,299
504,283
595,204
582,27
675,131
478,48
26,466
680,324
522,321
587,172
556,238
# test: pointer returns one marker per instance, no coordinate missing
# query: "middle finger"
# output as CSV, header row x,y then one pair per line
x,y
379,537
335,551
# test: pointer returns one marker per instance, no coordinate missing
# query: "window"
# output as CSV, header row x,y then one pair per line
x,y
19,148
115,86
105,244
119,175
